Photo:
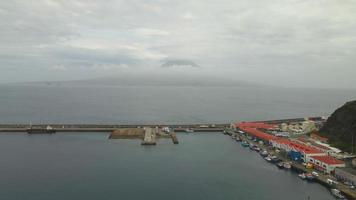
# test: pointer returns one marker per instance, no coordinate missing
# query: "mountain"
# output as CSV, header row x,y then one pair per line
x,y
340,127
179,63
152,79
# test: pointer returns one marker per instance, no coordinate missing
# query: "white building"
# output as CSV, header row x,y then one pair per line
x,y
325,163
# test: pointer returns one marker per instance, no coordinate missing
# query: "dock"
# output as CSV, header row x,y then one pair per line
x,y
18,128
174,138
299,168
150,137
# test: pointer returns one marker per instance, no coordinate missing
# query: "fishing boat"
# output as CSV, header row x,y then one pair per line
x,y
302,176
264,153
274,159
233,136
287,165
245,144
39,130
280,165
309,177
268,159
337,194
256,148
238,139
189,130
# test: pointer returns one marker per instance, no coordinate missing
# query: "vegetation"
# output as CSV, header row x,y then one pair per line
x,y
340,127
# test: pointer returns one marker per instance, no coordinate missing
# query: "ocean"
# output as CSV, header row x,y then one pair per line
x,y
203,166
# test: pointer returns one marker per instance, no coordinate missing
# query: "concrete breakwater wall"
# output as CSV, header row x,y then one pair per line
x,y
109,127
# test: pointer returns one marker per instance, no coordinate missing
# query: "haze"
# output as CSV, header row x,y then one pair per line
x,y
292,43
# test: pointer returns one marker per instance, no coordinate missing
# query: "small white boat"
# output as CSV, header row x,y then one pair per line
x,y
337,194
268,159
264,153
302,176
189,130
287,165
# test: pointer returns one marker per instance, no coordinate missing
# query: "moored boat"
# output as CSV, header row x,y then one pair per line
x,y
264,153
309,177
274,159
238,139
337,194
245,143
280,165
268,159
189,130
256,148
287,165
302,176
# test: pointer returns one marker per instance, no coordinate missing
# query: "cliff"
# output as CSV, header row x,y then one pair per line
x,y
340,127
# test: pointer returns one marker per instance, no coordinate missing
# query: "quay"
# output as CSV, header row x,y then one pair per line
x,y
150,137
322,179
174,138
211,127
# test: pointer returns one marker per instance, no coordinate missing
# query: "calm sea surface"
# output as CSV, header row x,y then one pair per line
x,y
203,166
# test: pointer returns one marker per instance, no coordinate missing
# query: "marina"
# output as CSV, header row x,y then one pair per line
x,y
250,134
257,136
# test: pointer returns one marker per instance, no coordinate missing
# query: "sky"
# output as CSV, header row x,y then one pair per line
x,y
297,43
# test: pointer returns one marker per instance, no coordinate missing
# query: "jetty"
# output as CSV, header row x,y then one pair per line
x,y
174,138
18,128
150,137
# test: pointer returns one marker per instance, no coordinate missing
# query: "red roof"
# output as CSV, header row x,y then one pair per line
x,y
328,160
252,129
323,148
318,137
258,133
256,125
299,147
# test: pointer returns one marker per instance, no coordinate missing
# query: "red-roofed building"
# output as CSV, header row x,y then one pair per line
x,y
325,163
253,129
319,138
289,145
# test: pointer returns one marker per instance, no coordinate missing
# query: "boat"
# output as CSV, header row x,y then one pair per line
x,y
309,177
275,159
39,130
280,165
287,165
238,139
245,144
268,159
256,148
264,153
336,193
233,136
302,176
189,130
251,146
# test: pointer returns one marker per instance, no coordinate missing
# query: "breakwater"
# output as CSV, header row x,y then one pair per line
x,y
211,127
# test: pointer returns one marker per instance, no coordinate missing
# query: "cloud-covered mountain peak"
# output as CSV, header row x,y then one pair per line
x,y
179,63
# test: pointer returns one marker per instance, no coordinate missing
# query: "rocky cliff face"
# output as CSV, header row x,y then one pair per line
x,y
340,127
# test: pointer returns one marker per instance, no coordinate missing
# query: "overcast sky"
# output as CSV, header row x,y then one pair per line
x,y
288,42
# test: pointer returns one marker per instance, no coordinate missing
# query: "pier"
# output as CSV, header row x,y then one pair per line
x,y
150,137
210,127
321,179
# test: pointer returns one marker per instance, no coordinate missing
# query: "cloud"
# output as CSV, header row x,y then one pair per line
x,y
179,63
247,37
